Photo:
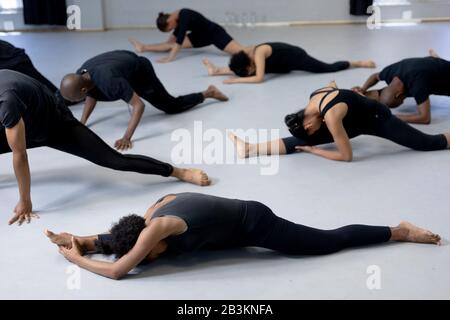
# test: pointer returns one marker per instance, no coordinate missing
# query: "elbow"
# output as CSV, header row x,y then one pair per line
x,y
346,158
116,275
425,119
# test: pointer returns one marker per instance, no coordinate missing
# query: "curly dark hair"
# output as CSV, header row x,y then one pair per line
x,y
239,64
125,233
161,22
295,124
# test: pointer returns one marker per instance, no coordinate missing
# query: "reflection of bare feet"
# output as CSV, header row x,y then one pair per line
x,y
363,64
62,239
411,233
433,53
215,93
194,176
244,149
138,46
212,69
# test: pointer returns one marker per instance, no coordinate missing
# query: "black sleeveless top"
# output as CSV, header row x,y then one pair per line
x,y
285,57
362,112
212,221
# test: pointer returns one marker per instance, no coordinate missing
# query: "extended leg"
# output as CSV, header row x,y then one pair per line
x,y
403,134
80,141
275,233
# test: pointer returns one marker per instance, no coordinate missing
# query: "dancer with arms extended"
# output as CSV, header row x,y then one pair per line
x,y
187,222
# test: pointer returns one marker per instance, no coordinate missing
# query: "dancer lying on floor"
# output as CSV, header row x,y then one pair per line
x,y
190,30
187,222
414,77
337,115
122,75
252,64
31,117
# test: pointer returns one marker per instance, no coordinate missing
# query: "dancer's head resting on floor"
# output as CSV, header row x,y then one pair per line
x,y
75,87
165,22
242,64
125,233
303,124
394,94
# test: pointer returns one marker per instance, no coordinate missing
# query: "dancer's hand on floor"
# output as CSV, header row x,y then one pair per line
x,y
165,60
72,253
229,81
123,144
307,149
23,212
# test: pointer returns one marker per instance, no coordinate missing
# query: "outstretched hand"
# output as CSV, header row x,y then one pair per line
x,y
165,60
71,253
123,144
23,212
229,81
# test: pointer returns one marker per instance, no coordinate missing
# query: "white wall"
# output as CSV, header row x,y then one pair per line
x,y
110,14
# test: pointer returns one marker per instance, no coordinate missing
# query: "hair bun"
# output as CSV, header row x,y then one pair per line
x,y
160,14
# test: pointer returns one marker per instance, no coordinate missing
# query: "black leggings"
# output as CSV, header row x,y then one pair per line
x,y
150,88
310,64
262,228
77,139
391,128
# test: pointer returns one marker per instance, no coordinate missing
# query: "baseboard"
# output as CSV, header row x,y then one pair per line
x,y
258,24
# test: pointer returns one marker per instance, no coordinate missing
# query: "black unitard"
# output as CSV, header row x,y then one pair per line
x,y
220,223
202,32
367,116
118,74
286,58
51,124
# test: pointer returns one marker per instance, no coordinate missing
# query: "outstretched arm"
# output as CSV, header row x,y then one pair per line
x,y
334,123
147,240
138,109
373,80
423,115
175,48
89,106
17,142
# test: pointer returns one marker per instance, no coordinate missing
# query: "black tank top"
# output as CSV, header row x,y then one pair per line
x,y
212,221
284,59
362,112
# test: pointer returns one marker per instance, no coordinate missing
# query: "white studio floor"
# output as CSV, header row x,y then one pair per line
x,y
385,184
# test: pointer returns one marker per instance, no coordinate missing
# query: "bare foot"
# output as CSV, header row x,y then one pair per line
x,y
215,93
194,176
212,69
244,149
62,239
363,64
413,233
138,46
433,53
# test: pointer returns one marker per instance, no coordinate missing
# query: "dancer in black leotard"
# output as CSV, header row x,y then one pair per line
x,y
413,77
122,75
189,222
190,30
251,65
345,115
31,117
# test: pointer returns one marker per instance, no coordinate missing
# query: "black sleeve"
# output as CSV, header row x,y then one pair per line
x,y
11,109
183,26
384,74
419,91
